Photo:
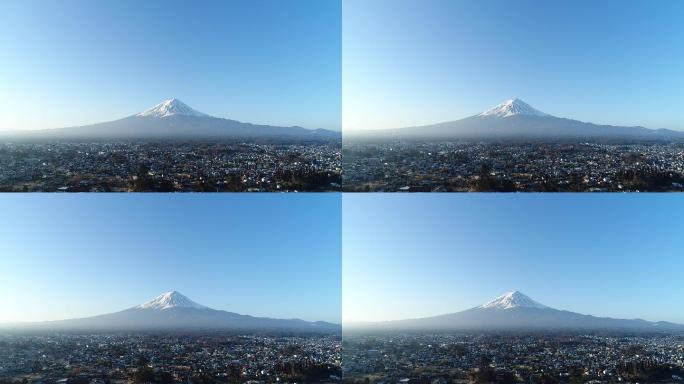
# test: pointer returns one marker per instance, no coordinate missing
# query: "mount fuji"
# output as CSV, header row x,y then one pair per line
x,y
516,311
515,119
174,119
174,311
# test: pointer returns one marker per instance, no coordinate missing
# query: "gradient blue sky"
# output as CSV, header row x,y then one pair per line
x,y
416,255
74,62
64,256
412,62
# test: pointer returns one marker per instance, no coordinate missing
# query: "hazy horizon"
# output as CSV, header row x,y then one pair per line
x,y
455,310
467,307
130,114
421,255
77,63
134,305
483,109
614,62
121,251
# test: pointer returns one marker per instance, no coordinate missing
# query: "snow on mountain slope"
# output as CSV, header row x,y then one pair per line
x,y
171,107
169,300
512,107
512,300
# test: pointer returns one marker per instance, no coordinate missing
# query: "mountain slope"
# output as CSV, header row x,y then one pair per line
x,y
517,119
174,119
173,311
516,311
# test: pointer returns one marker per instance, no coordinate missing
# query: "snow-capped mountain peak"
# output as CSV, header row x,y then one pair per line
x,y
169,300
512,107
513,300
169,108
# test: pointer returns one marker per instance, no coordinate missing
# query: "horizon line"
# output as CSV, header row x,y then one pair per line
x,y
469,115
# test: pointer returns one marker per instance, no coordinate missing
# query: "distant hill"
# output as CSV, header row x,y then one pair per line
x,y
515,119
173,311
516,311
174,119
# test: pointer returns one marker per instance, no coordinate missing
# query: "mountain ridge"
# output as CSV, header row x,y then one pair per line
x,y
172,311
174,119
516,311
515,119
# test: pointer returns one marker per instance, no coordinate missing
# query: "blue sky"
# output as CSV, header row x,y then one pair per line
x,y
65,256
411,62
73,62
416,255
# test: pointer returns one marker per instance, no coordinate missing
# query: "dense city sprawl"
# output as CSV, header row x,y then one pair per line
x,y
513,358
169,166
512,166
169,358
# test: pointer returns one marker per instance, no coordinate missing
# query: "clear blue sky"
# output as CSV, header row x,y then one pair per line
x,y
64,256
408,256
410,62
72,62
